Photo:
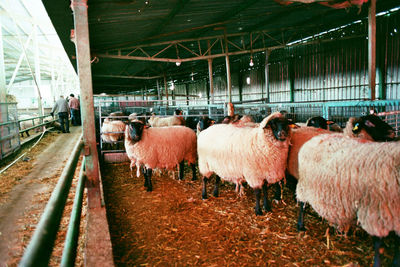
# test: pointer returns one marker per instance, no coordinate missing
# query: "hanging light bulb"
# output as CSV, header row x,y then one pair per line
x,y
251,62
200,95
178,63
192,76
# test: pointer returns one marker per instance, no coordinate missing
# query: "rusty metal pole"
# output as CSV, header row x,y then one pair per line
x,y
79,8
210,74
267,55
210,77
228,69
372,47
166,89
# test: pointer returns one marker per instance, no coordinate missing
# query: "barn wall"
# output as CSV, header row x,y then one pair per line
x,y
332,68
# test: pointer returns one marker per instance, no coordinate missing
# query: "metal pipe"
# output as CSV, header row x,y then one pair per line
x,y
40,247
372,47
71,240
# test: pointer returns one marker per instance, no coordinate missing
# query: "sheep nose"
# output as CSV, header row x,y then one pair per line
x,y
391,135
282,135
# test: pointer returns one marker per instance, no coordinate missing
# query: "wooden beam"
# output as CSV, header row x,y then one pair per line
x,y
372,47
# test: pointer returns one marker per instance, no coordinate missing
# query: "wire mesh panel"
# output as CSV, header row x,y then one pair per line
x,y
9,137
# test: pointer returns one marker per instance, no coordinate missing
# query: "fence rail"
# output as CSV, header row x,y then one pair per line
x,y
40,247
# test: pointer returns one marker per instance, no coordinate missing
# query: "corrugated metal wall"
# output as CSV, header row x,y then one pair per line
x,y
337,69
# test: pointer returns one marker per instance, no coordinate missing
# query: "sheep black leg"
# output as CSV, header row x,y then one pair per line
x,y
147,179
144,171
396,258
193,166
181,169
278,191
216,188
267,204
204,191
257,193
300,222
377,245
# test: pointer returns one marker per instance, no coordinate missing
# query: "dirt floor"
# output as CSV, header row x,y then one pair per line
x,y
25,189
173,226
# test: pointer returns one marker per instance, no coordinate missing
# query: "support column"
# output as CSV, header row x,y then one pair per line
x,y
372,47
38,80
267,54
187,93
79,8
158,90
3,91
228,70
166,88
291,80
210,74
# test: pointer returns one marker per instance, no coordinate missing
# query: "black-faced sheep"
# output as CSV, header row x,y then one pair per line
x,y
348,180
160,147
257,155
320,122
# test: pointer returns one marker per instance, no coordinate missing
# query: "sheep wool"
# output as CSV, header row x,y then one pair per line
x,y
347,179
112,131
298,138
162,147
238,153
167,121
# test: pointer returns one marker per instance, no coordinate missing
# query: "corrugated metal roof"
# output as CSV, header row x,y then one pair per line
x,y
134,28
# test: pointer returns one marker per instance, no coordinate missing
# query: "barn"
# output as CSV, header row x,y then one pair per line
x,y
336,59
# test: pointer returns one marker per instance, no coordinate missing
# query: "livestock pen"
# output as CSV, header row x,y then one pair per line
x,y
335,59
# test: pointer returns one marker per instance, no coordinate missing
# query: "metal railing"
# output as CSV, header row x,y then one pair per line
x,y
39,250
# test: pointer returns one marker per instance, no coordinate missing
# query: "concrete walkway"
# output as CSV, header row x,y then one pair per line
x,y
49,163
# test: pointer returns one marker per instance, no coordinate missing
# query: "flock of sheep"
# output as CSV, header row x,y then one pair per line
x,y
348,177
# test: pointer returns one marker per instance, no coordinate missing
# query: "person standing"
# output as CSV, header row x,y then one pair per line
x,y
75,112
62,109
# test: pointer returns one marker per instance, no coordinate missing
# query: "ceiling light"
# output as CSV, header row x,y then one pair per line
x,y
200,95
251,62
248,80
146,2
178,63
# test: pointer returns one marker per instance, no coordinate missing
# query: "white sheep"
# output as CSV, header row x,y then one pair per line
x,y
155,121
160,147
257,155
367,127
347,180
112,130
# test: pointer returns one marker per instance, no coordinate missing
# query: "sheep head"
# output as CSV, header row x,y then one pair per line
x,y
278,124
135,130
376,128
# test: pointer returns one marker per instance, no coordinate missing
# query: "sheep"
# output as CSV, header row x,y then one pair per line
x,y
160,147
256,155
167,121
204,123
112,130
368,127
347,180
320,122
27,124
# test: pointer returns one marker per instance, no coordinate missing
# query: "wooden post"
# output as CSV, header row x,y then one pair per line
x,y
372,47
79,8
228,69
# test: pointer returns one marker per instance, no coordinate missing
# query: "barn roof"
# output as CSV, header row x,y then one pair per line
x,y
135,41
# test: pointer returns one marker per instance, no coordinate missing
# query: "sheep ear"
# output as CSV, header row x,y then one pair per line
x,y
369,124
